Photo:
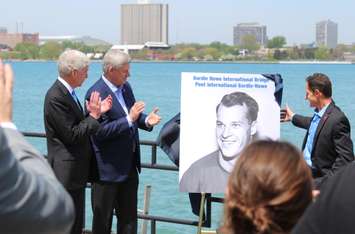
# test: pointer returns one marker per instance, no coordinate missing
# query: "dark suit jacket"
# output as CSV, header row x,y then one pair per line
x,y
332,144
333,210
68,142
114,141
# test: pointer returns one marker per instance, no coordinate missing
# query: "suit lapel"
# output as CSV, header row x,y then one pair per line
x,y
126,97
321,124
69,99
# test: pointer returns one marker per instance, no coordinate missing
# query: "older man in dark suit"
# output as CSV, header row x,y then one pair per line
x,y
116,146
327,146
68,130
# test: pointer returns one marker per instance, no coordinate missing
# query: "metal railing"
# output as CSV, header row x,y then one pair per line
x,y
155,165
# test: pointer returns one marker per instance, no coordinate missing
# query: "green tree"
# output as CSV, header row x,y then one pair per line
x,y
276,42
309,53
81,46
249,42
187,53
280,54
228,57
222,47
208,57
50,50
294,53
322,53
27,50
338,52
215,53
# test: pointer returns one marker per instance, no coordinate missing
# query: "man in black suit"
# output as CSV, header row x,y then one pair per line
x,y
116,146
327,146
68,130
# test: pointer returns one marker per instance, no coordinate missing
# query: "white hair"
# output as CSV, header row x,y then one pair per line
x,y
115,58
71,60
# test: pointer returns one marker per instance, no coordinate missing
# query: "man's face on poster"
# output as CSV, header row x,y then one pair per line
x,y
234,130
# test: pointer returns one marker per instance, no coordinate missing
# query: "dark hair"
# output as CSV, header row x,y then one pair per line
x,y
321,82
240,98
268,189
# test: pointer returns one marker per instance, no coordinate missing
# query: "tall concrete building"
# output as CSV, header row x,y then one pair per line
x,y
255,29
327,34
144,22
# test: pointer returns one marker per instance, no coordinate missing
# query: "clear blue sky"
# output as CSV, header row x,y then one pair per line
x,y
201,21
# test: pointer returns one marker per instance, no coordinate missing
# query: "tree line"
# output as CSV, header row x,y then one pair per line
x,y
249,49
49,50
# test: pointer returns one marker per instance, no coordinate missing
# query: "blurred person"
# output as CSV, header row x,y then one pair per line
x,y
327,146
116,146
235,127
333,210
68,130
268,190
31,198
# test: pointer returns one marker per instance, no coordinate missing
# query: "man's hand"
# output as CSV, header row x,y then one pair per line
x,y
136,110
315,193
6,83
286,114
153,118
106,104
93,106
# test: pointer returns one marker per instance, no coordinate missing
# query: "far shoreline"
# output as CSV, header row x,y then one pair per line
x,y
316,62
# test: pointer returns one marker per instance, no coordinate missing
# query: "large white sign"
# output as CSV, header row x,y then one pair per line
x,y
220,114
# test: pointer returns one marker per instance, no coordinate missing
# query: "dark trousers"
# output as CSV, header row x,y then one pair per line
x,y
121,196
78,196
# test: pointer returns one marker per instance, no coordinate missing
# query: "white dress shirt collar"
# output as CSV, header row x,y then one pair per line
x,y
113,87
69,88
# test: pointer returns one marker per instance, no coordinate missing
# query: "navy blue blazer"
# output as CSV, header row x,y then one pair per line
x,y
115,141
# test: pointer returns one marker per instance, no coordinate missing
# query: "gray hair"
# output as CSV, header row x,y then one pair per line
x,y
115,58
71,60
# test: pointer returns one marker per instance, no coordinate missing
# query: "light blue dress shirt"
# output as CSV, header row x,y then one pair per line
x,y
118,94
311,133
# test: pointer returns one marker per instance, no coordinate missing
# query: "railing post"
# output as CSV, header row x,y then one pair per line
x,y
146,204
84,210
154,154
152,227
208,211
202,211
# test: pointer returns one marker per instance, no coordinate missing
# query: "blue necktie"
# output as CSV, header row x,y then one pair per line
x,y
121,100
76,100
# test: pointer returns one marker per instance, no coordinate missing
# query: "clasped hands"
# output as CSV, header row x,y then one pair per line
x,y
138,107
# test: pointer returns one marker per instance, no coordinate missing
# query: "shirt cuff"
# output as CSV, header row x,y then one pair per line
x,y
146,122
8,125
129,121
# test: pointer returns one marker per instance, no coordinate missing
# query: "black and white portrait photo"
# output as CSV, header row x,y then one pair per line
x,y
237,122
